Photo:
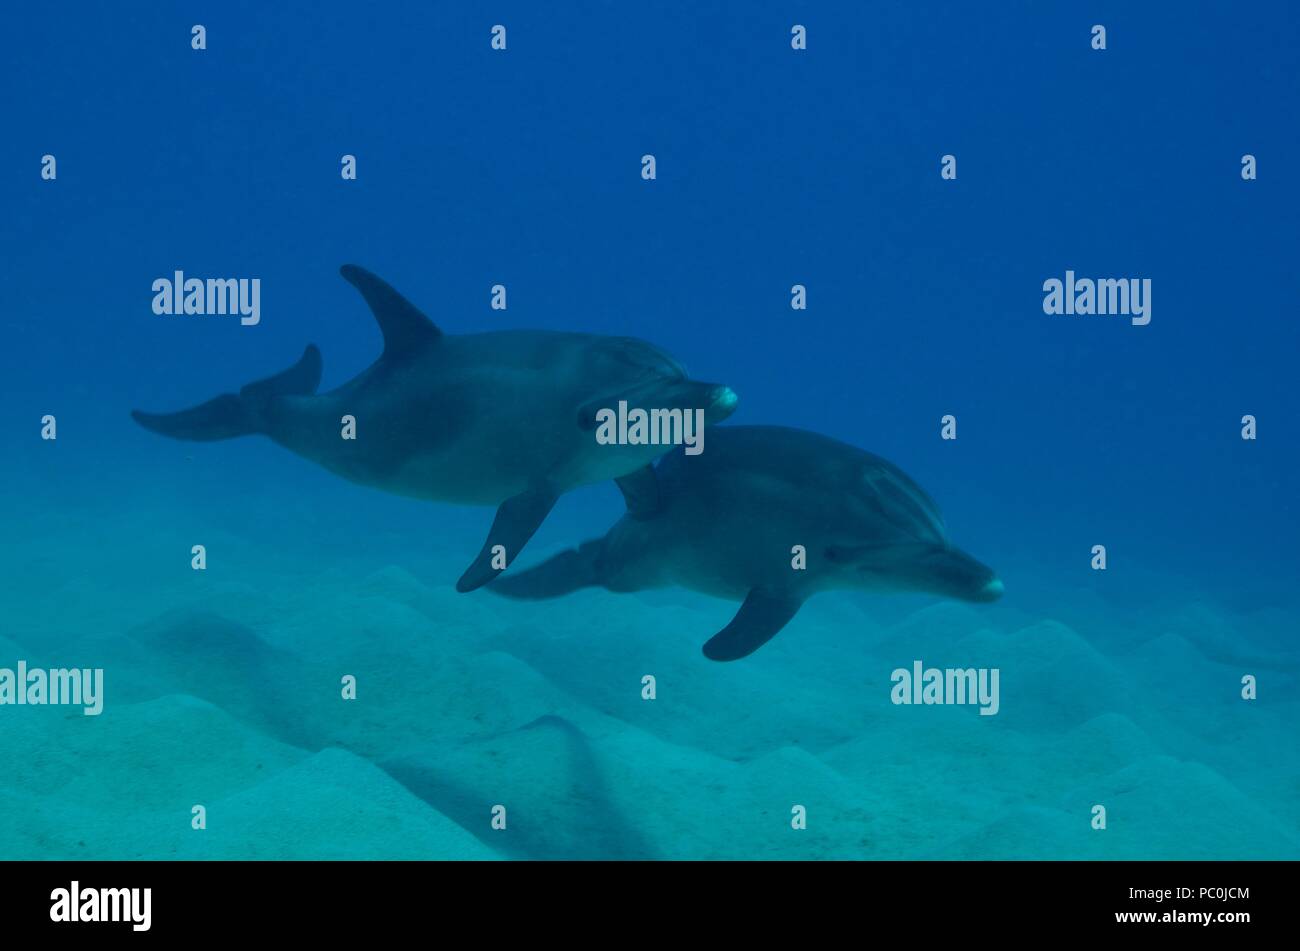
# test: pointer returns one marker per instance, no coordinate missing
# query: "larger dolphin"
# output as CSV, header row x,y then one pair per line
x,y
732,522
506,418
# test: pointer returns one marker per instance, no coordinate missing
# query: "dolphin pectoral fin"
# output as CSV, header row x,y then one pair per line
x,y
759,619
403,325
641,492
517,519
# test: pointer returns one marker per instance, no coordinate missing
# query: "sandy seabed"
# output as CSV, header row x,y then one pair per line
x,y
224,689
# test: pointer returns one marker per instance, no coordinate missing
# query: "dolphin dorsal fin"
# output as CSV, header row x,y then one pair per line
x,y
641,492
403,326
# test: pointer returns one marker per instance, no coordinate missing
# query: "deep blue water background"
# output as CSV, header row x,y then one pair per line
x,y
774,168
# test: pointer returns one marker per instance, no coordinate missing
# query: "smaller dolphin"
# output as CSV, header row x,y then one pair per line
x,y
727,523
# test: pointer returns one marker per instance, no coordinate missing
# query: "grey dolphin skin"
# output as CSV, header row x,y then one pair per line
x,y
726,523
504,418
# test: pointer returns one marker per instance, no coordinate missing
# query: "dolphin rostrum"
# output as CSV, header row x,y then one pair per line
x,y
768,516
505,418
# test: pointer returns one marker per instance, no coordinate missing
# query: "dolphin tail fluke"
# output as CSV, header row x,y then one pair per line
x,y
301,379
221,418
566,572
231,415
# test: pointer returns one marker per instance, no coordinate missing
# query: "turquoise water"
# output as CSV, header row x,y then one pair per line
x,y
223,688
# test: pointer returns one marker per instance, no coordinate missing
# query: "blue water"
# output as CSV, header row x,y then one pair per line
x,y
775,167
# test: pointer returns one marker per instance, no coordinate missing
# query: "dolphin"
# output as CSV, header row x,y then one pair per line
x,y
506,418
727,523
